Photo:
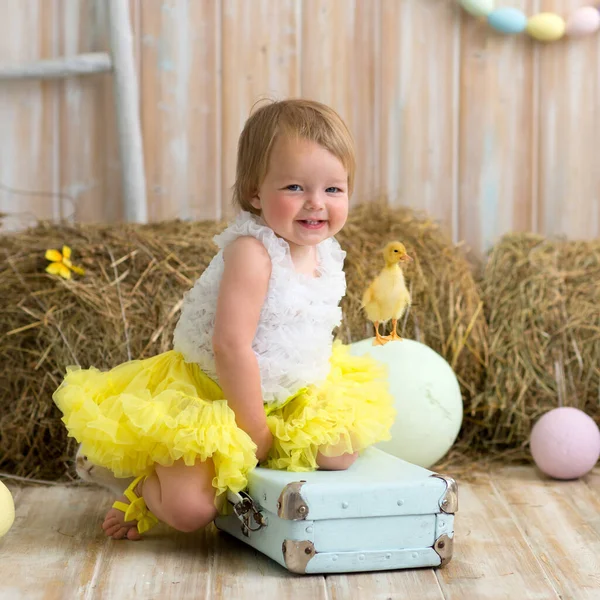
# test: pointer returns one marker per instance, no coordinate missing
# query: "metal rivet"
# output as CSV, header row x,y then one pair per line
x,y
278,505
414,555
400,502
388,556
445,502
302,509
441,545
345,505
309,530
334,557
307,550
442,524
361,557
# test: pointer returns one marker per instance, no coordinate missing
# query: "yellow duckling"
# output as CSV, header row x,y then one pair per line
x,y
387,297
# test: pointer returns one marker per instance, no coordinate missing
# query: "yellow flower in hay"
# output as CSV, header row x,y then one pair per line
x,y
61,263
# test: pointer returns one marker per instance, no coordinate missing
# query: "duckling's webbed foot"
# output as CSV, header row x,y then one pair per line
x,y
394,335
380,340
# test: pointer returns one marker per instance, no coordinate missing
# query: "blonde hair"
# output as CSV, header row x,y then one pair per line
x,y
305,119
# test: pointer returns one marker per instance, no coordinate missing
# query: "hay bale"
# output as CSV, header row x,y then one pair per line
x,y
128,301
446,312
543,304
120,308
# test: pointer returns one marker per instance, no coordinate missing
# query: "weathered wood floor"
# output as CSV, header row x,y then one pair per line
x,y
517,536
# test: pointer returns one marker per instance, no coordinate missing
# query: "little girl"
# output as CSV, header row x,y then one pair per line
x,y
254,375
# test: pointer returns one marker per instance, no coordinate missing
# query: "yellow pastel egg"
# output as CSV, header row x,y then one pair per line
x,y
583,21
546,27
7,509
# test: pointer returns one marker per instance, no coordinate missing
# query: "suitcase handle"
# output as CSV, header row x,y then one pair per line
x,y
246,511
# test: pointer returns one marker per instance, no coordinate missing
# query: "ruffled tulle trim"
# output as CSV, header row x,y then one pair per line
x,y
158,410
247,224
331,254
350,412
162,409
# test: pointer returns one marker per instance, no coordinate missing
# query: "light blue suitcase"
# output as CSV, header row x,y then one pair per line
x,y
381,514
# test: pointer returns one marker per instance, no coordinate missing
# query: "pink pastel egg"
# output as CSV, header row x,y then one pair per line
x,y
565,443
583,21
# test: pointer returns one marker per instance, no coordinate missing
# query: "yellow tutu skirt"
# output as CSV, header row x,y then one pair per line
x,y
162,409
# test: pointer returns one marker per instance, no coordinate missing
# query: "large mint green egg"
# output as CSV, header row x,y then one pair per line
x,y
478,8
427,399
507,20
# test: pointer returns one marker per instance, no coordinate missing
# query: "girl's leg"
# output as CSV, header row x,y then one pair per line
x,y
181,496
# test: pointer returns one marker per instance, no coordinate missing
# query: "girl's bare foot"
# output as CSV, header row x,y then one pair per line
x,y
115,525
117,528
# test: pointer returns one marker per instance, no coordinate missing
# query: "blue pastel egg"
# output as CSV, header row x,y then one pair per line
x,y
508,20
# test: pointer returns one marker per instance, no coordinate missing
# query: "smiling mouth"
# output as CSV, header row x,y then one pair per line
x,y
312,223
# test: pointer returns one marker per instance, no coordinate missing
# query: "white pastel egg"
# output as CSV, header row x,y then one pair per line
x,y
427,400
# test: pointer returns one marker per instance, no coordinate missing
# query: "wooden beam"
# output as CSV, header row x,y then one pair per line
x,y
128,113
57,68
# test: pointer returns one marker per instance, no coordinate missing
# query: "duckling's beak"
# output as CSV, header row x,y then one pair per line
x,y
406,258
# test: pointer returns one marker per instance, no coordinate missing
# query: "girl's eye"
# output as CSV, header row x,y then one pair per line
x,y
333,190
294,187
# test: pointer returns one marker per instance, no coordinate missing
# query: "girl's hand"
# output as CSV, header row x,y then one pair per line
x,y
264,442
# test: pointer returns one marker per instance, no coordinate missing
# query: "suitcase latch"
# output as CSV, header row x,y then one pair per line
x,y
247,512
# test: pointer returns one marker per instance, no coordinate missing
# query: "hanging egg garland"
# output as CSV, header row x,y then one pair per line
x,y
544,27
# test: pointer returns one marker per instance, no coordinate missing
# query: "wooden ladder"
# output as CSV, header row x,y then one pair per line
x,y
120,62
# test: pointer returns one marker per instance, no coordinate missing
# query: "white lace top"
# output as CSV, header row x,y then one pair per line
x,y
294,337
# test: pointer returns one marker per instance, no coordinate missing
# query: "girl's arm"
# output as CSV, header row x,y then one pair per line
x,y
241,296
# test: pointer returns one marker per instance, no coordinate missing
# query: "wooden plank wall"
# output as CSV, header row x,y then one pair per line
x,y
485,132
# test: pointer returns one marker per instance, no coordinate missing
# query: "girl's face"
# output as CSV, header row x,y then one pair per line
x,y
304,196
